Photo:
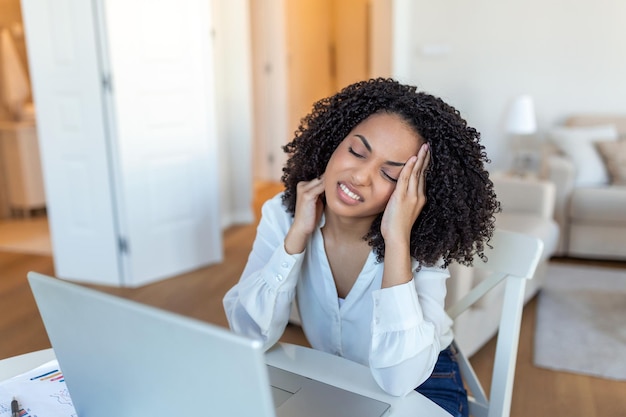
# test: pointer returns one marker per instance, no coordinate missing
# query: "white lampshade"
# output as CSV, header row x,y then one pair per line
x,y
522,120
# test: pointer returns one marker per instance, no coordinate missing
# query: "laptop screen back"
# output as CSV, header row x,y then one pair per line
x,y
122,358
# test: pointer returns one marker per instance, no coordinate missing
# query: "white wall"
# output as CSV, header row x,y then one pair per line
x,y
569,55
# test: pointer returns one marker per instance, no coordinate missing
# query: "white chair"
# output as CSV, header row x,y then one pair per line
x,y
512,258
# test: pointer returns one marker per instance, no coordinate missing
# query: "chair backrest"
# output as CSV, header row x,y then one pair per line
x,y
512,258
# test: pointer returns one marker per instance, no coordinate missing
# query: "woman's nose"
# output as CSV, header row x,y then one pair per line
x,y
362,175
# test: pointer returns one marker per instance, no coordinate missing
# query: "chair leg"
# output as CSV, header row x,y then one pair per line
x,y
506,349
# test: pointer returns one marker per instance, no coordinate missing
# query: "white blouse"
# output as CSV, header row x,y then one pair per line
x,y
398,331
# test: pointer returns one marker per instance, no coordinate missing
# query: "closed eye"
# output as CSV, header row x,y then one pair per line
x,y
351,150
389,177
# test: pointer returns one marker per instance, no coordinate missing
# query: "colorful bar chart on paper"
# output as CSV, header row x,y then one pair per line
x,y
41,393
52,376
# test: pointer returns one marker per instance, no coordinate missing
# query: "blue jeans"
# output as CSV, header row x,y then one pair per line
x,y
445,386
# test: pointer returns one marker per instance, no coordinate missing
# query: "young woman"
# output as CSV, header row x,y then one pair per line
x,y
384,187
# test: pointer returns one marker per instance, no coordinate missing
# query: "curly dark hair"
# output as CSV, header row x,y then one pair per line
x,y
458,218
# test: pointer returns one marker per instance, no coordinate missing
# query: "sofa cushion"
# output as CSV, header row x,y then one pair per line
x,y
597,241
602,205
614,156
578,144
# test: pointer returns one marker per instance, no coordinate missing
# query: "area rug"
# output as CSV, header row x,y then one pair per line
x,y
581,321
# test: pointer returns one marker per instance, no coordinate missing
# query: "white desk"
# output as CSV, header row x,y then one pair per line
x,y
304,361
17,365
350,376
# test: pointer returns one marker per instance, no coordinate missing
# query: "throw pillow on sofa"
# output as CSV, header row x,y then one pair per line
x,y
578,143
614,155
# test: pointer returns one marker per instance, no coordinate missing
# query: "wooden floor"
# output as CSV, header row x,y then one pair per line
x,y
538,392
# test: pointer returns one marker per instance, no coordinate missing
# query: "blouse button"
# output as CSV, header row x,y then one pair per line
x,y
279,278
285,265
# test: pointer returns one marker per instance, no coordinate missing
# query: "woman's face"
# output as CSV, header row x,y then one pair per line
x,y
362,172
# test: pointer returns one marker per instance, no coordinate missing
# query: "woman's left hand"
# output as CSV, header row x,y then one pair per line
x,y
408,198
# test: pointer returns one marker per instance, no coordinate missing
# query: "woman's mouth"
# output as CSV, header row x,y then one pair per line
x,y
347,192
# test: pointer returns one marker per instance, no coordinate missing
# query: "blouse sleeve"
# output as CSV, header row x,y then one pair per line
x,y
409,329
258,306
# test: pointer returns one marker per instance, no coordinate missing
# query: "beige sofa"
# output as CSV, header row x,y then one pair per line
x,y
527,207
590,192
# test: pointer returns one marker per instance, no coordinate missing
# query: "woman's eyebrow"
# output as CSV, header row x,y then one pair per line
x,y
369,148
365,142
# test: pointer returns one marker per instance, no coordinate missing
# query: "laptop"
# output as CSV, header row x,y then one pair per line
x,y
123,358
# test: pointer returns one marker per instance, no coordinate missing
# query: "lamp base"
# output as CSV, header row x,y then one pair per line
x,y
525,163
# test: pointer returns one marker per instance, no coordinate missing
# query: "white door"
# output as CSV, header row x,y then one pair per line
x,y
160,58
126,123
62,52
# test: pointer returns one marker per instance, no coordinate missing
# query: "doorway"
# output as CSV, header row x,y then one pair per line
x,y
306,50
23,221
327,49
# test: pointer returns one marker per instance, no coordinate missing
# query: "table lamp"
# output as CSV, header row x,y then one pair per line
x,y
521,125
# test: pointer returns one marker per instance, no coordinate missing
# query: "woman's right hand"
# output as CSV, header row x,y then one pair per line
x,y
309,208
